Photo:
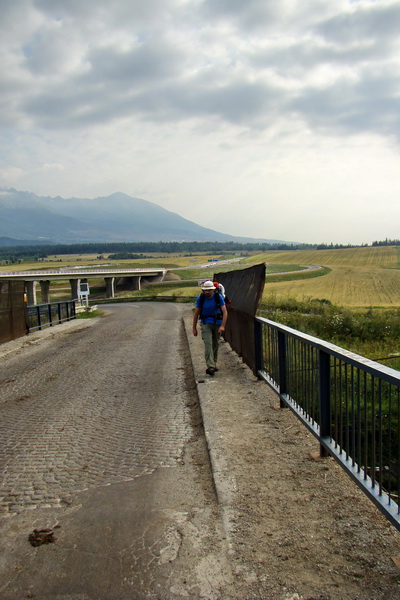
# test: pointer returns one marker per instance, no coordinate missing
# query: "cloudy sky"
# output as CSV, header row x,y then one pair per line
x,y
262,118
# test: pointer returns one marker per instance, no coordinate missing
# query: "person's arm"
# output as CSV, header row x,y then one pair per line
x,y
195,319
224,319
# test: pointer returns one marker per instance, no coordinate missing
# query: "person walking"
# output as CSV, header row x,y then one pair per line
x,y
211,309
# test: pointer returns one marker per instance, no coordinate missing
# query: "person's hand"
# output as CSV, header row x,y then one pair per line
x,y
221,329
195,331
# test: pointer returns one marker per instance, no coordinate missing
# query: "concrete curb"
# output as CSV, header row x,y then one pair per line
x,y
208,390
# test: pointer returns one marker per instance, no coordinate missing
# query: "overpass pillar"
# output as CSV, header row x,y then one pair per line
x,y
109,286
74,288
45,288
31,292
136,281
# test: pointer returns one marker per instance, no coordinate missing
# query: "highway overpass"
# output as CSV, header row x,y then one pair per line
x,y
131,278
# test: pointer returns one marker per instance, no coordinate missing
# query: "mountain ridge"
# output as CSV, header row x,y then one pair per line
x,y
114,218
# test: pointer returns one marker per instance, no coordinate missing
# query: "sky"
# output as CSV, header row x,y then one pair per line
x,y
257,118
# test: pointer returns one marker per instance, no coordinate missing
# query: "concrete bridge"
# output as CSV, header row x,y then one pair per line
x,y
131,279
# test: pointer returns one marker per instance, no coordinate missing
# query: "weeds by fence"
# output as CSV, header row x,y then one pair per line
x,y
368,332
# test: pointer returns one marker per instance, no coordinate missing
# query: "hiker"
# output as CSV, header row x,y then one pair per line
x,y
211,309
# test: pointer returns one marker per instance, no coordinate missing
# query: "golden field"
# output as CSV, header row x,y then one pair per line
x,y
379,256
359,277
346,286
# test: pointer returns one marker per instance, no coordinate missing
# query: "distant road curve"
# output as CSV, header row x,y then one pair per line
x,y
207,265
233,260
306,268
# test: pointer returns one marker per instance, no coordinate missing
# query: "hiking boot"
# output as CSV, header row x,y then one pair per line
x,y
210,371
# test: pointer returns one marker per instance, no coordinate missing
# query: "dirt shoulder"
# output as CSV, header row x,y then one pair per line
x,y
299,528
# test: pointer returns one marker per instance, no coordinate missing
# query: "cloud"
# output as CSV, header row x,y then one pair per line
x,y
53,167
82,68
184,99
376,22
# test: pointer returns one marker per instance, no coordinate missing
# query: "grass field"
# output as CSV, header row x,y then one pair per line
x,y
362,286
358,277
352,277
377,256
355,277
347,286
168,261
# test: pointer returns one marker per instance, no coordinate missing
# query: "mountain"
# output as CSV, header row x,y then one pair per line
x,y
7,241
114,218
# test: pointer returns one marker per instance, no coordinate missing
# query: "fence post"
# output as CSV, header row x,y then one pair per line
x,y
282,358
324,399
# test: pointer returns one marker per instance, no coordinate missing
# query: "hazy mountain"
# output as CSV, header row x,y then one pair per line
x,y
7,241
115,218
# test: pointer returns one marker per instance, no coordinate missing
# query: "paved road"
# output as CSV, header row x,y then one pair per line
x,y
102,443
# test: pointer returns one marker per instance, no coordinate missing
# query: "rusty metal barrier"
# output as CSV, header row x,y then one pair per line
x,y
244,288
13,318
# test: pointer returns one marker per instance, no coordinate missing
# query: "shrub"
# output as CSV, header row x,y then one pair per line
x,y
377,331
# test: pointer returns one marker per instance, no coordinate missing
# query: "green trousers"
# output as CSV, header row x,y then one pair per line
x,y
210,336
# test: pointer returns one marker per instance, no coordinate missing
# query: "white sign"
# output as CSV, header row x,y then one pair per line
x,y
83,293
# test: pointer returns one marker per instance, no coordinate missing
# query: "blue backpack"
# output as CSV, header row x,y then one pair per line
x,y
218,312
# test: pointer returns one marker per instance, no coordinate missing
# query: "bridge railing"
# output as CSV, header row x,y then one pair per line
x,y
349,403
53,313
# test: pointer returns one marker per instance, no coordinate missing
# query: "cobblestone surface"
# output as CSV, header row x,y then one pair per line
x,y
78,428
92,409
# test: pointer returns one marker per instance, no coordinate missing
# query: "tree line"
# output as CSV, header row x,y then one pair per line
x,y
387,242
15,254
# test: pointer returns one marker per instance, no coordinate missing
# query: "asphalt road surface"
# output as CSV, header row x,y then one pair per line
x,y
102,444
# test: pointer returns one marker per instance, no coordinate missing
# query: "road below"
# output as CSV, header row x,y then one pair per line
x,y
102,443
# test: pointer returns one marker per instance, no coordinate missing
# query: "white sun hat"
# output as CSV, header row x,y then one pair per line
x,y
208,285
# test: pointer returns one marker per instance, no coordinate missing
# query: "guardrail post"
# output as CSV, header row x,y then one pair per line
x,y
282,358
324,399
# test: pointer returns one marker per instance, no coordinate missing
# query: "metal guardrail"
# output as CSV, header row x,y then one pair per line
x,y
351,404
47,315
